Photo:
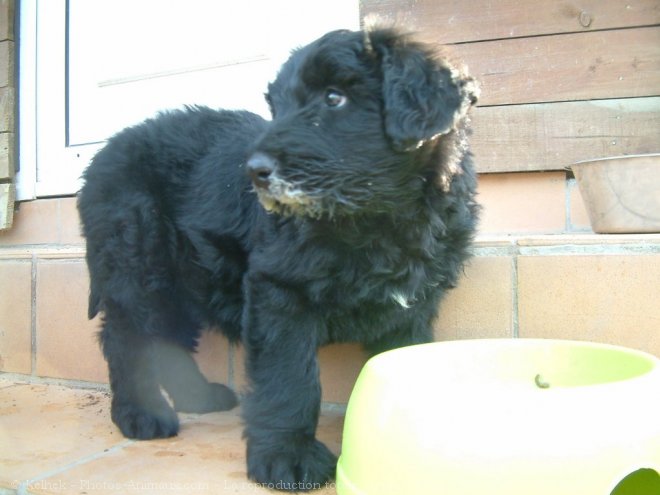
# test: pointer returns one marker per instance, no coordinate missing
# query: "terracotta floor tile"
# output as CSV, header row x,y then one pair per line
x,y
45,428
74,449
208,457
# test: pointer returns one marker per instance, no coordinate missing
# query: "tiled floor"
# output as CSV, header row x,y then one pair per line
x,y
57,440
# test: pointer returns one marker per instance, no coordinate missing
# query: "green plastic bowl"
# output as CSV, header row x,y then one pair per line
x,y
510,416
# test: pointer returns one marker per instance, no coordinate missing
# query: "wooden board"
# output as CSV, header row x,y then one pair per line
x,y
594,65
6,155
6,20
6,63
7,109
453,21
553,136
7,194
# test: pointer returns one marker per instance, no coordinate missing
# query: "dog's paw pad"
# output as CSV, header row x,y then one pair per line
x,y
145,424
306,468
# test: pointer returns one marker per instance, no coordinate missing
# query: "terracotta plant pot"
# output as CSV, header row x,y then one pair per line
x,y
621,194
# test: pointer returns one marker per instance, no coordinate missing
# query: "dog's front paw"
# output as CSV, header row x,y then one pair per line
x,y
145,423
291,466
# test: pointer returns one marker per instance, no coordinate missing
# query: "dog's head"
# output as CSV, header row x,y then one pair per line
x,y
352,114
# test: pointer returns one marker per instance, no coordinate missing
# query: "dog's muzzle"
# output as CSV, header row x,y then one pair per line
x,y
261,167
275,193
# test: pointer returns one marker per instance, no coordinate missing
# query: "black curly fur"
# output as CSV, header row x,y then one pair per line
x,y
362,219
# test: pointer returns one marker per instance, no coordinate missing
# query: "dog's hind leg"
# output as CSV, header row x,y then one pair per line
x,y
138,407
187,387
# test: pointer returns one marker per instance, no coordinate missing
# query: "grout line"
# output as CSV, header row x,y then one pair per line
x,y
477,251
590,249
26,251
58,218
25,486
515,320
533,245
491,245
33,316
568,221
59,382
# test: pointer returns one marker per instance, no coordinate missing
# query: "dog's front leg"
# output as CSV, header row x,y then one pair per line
x,y
281,411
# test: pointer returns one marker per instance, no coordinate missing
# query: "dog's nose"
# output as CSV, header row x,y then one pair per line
x,y
261,166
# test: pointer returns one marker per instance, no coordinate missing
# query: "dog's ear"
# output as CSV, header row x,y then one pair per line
x,y
424,96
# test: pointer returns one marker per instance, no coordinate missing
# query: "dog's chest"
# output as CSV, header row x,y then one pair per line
x,y
347,279
361,299
374,267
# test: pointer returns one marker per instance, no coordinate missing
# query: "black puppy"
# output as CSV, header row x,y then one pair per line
x,y
344,219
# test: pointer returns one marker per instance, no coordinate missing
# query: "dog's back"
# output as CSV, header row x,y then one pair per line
x,y
146,198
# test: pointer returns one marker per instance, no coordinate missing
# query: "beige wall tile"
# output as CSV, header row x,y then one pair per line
x,y
480,307
69,222
482,304
67,345
213,357
340,366
15,316
239,376
44,221
579,218
524,202
602,298
35,222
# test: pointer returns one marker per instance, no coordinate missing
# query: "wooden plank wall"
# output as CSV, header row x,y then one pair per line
x,y
562,81
7,113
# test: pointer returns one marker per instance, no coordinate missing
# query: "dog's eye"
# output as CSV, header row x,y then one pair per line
x,y
335,98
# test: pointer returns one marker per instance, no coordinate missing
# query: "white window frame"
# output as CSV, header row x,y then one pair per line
x,y
43,100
